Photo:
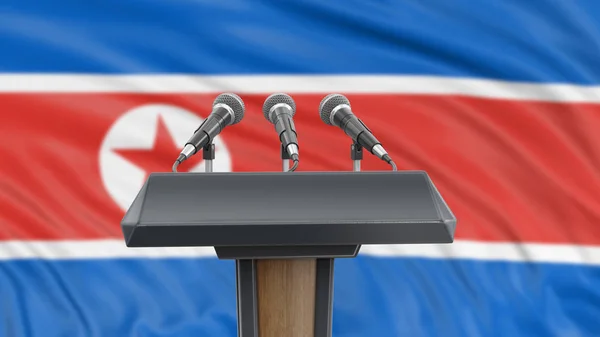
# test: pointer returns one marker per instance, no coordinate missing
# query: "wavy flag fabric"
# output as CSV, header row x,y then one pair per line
x,y
499,101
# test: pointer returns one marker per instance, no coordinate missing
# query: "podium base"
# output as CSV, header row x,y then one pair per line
x,y
284,297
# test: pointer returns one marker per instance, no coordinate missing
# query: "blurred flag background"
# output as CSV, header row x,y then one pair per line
x,y
497,100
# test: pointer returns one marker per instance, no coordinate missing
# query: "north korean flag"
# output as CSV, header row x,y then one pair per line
x,y
498,102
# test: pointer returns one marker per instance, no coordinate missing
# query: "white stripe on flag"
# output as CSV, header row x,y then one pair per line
x,y
369,84
469,250
493,251
92,249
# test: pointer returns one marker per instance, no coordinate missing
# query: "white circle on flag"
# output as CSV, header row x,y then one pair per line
x,y
137,129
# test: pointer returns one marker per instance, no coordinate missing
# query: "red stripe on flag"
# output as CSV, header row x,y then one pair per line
x,y
511,171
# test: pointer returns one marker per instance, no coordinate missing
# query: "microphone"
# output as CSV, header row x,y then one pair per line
x,y
335,110
279,109
228,109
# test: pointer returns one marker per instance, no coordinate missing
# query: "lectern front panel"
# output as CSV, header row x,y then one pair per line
x,y
288,198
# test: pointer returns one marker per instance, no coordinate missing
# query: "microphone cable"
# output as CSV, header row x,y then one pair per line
x,y
295,165
177,162
388,159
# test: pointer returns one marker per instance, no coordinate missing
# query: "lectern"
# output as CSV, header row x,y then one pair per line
x,y
284,230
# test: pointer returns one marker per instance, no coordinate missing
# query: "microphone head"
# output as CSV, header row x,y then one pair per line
x,y
278,98
234,102
329,103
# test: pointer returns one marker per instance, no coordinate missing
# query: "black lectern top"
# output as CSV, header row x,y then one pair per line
x,y
287,208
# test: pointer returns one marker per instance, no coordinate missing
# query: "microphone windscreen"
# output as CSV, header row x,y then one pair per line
x,y
329,103
234,102
275,99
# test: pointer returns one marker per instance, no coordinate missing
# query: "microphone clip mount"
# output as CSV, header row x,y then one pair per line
x,y
208,151
356,154
285,160
356,151
208,154
284,154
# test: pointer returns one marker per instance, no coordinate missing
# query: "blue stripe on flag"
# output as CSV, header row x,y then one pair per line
x,y
373,297
537,40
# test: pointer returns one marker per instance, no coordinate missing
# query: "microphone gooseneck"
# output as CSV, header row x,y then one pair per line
x,y
228,109
335,110
279,109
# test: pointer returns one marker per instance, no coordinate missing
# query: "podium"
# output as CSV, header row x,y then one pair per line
x,y
284,230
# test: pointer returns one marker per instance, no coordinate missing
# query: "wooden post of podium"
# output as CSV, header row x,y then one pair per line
x,y
284,297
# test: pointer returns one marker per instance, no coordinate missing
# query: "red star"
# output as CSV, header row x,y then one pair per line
x,y
161,155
